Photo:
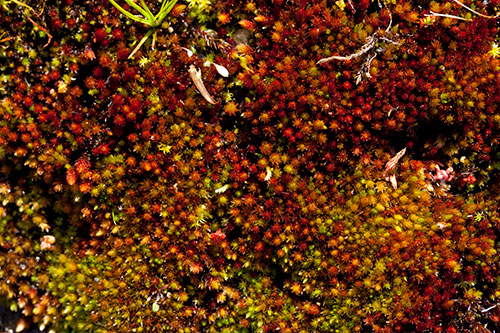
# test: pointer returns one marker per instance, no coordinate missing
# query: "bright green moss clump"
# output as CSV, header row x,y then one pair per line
x,y
243,175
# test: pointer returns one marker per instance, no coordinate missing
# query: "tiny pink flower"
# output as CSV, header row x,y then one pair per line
x,y
443,175
46,242
217,236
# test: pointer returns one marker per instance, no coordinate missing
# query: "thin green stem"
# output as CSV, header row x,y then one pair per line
x,y
163,8
149,19
128,14
150,15
154,41
163,4
141,10
166,10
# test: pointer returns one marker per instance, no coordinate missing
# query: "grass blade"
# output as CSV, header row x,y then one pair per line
x,y
163,13
128,14
143,40
150,15
164,3
142,11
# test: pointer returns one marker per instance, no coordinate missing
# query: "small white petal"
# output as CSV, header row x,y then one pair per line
x,y
222,189
188,51
268,174
394,183
222,70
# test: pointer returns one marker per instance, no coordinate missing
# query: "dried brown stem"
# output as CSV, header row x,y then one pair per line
x,y
475,12
448,16
41,28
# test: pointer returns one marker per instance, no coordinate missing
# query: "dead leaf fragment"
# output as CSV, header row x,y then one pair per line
x,y
393,161
196,77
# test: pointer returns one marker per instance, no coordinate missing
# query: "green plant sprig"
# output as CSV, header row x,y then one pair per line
x,y
154,21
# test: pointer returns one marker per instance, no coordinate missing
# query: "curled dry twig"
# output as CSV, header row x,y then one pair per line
x,y
475,12
30,9
370,42
448,16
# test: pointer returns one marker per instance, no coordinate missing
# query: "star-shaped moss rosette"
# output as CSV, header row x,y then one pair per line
x,y
154,21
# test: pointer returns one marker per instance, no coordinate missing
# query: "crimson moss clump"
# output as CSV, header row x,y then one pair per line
x,y
265,165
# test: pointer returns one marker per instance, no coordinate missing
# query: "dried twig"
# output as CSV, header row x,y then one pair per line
x,y
432,13
22,4
385,39
365,69
352,6
476,12
5,39
448,16
370,43
41,28
489,309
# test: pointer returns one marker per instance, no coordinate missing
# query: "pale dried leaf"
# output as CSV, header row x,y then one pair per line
x,y
22,324
393,161
188,51
196,77
221,70
393,181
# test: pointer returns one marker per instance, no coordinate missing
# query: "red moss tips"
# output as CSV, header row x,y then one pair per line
x,y
71,176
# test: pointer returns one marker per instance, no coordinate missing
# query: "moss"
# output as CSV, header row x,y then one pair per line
x,y
130,201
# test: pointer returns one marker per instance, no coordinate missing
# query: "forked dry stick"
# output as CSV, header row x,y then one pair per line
x,y
370,43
